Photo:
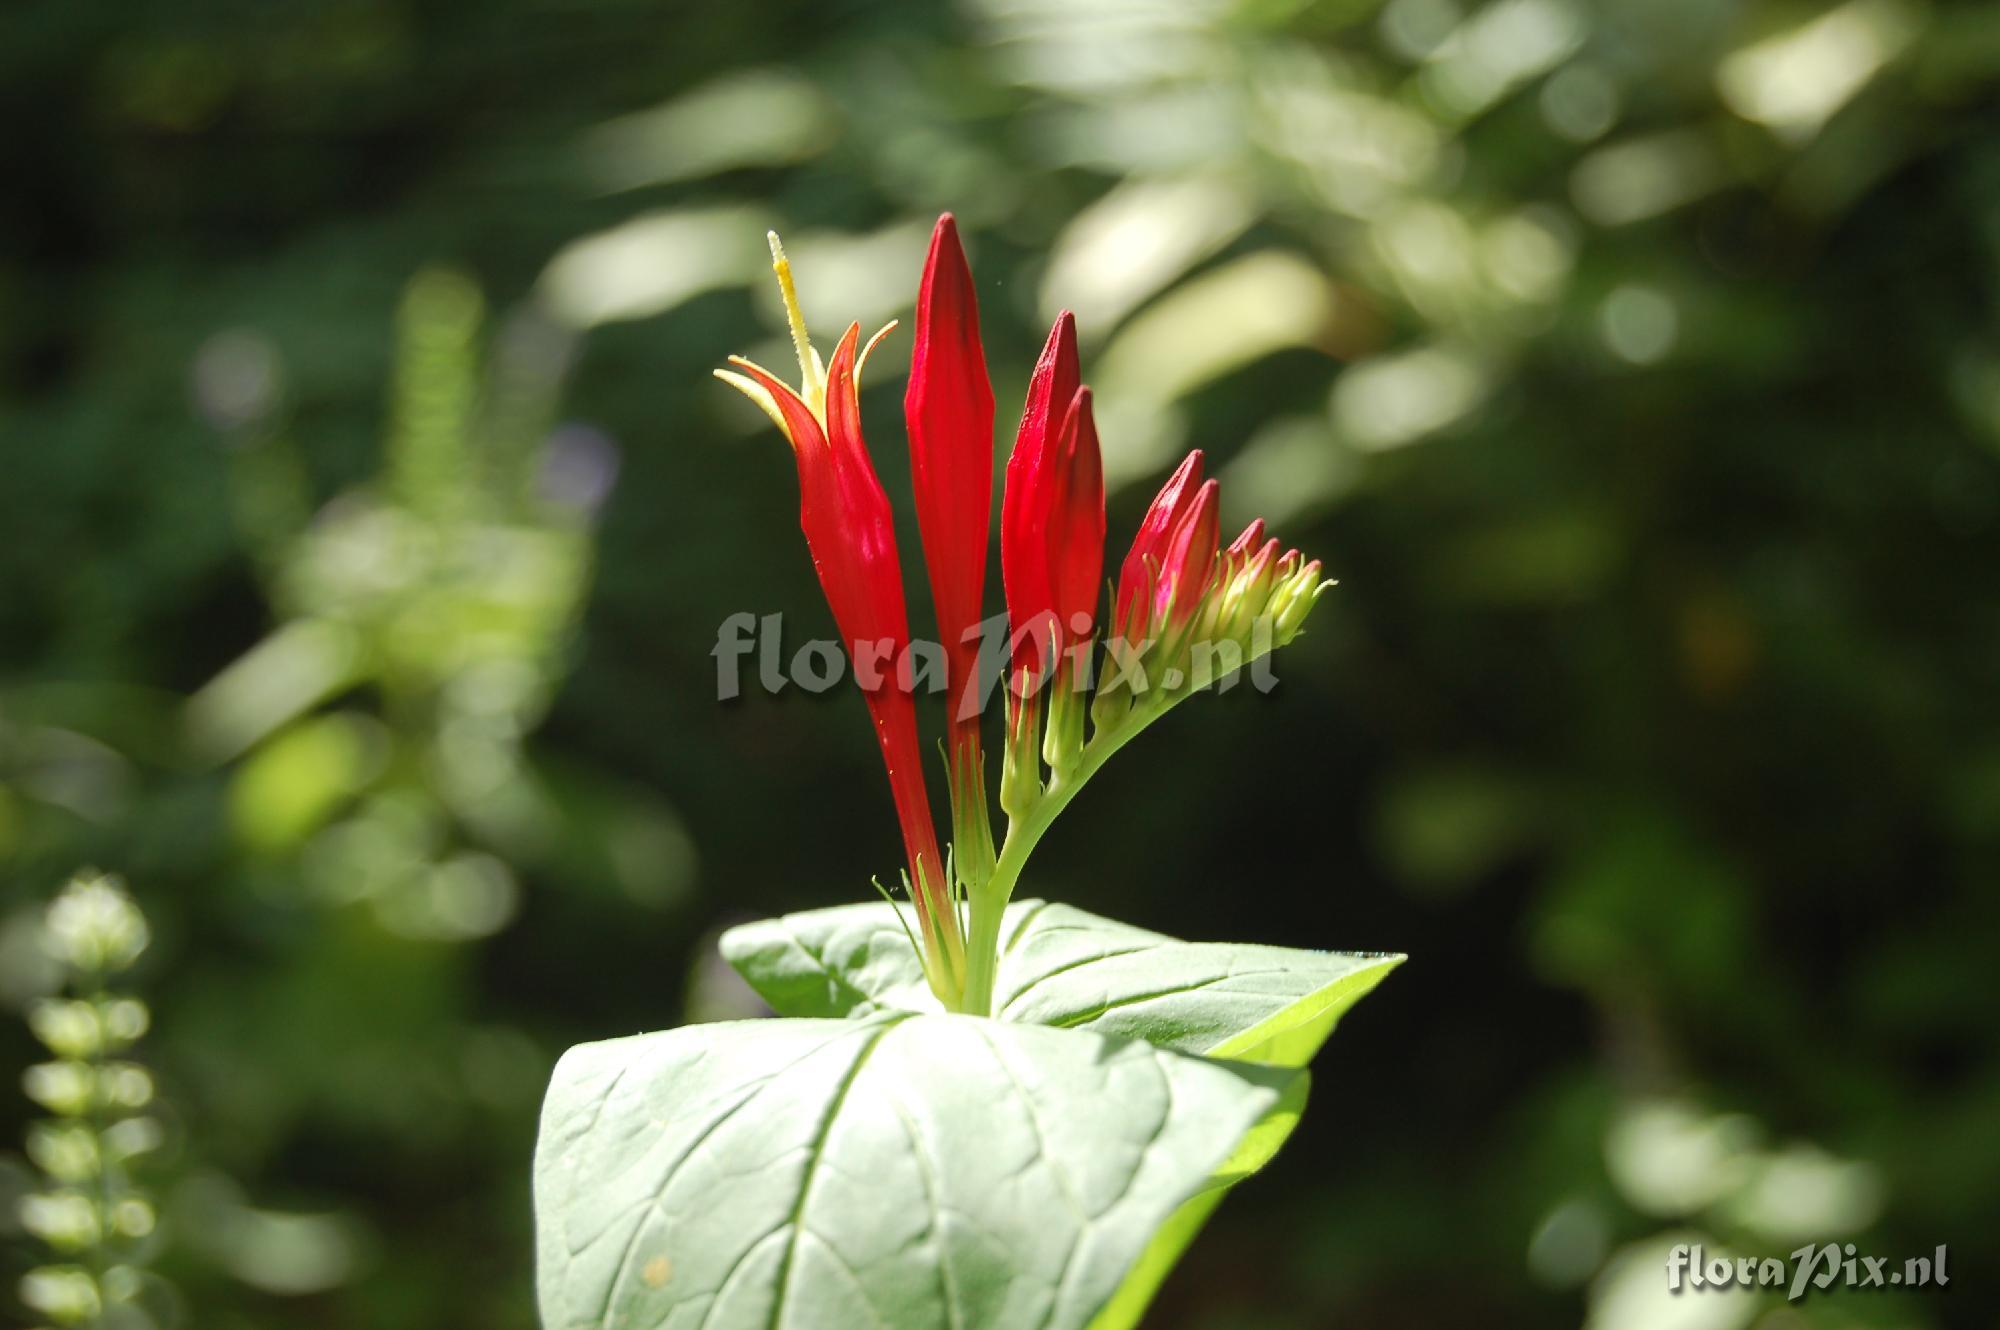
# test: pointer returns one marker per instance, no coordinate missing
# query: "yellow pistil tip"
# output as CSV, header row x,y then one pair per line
x,y
812,377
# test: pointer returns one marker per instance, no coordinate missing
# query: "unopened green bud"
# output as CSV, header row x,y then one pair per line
x,y
1208,619
124,1085
94,927
125,1021
132,1218
122,1283
131,1138
66,1294
66,1151
1062,746
68,1026
1020,763
65,1220
1298,598
1252,595
75,1028
1122,680
971,856
1109,708
63,1088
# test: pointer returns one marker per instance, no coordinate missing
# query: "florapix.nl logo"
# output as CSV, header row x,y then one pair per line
x,y
1813,1267
751,650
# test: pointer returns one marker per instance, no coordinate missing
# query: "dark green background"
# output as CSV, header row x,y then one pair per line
x,y
1654,715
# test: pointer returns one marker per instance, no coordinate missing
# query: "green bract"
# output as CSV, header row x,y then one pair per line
x,y
868,1160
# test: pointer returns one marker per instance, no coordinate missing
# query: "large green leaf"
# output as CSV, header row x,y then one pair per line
x,y
894,1171
1065,967
1252,1152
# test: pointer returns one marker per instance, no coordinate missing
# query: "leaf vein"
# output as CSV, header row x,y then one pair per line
x,y
818,1149
1066,968
622,1271
1080,1018
927,1173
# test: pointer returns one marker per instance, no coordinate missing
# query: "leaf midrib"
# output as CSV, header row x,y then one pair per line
x,y
787,1263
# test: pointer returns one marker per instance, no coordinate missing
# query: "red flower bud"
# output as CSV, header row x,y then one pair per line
x,y
1245,585
1257,569
948,409
1025,527
1132,620
1190,562
1076,526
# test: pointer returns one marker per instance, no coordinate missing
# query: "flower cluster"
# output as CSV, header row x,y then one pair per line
x,y
1187,615
86,1210
1186,612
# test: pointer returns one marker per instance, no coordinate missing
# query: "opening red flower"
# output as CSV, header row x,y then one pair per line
x,y
851,535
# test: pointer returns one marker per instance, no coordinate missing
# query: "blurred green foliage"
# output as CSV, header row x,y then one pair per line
x,y
1635,366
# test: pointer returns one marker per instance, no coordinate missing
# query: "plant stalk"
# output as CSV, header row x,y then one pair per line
x,y
989,905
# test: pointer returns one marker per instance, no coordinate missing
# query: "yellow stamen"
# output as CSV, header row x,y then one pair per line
x,y
812,374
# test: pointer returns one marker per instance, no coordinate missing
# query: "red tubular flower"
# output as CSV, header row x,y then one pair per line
x,y
1076,526
1025,530
848,528
1137,578
949,412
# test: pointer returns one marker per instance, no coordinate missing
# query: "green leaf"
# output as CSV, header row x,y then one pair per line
x,y
898,1170
1253,1152
1065,967
851,960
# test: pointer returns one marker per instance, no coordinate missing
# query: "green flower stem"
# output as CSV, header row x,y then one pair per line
x,y
982,945
1024,831
96,991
